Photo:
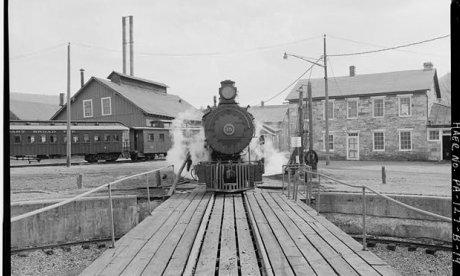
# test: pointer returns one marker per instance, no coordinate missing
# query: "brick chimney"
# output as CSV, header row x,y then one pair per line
x,y
352,71
427,65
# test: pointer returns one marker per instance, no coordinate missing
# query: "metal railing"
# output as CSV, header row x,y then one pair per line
x,y
294,186
110,207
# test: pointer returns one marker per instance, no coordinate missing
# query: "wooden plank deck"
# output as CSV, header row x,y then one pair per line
x,y
251,233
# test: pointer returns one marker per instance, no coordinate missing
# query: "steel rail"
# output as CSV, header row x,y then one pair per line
x,y
47,208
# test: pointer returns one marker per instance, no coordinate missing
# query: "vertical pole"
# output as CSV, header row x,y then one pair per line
x,y
289,128
148,193
318,194
310,117
326,104
300,114
289,183
123,28
384,175
364,218
282,172
69,141
131,47
112,227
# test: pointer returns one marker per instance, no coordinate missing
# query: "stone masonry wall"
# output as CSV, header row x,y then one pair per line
x,y
365,124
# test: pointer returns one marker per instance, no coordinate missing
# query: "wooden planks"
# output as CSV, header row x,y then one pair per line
x,y
218,234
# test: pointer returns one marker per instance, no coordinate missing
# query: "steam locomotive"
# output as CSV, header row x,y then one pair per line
x,y
229,129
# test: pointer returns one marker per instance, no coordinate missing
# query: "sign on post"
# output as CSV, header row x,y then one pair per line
x,y
296,142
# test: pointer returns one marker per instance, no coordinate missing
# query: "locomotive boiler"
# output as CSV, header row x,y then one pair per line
x,y
229,129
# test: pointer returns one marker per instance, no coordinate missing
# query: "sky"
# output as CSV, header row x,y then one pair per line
x,y
194,45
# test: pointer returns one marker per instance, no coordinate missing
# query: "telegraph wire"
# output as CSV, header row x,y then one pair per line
x,y
255,49
37,51
293,82
389,48
380,46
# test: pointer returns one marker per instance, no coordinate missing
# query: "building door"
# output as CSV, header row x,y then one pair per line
x,y
446,147
353,146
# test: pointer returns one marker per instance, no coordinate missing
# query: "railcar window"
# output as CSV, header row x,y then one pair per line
x,y
17,139
64,138
31,139
162,137
53,139
116,137
97,138
75,138
43,138
86,138
107,137
152,137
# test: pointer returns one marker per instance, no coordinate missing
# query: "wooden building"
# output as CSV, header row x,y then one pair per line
x,y
382,116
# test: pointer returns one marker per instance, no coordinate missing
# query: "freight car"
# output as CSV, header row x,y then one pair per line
x,y
47,139
229,129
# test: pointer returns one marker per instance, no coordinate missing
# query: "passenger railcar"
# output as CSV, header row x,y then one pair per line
x,y
149,142
47,139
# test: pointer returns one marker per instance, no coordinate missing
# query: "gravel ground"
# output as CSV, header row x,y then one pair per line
x,y
33,183
415,262
59,263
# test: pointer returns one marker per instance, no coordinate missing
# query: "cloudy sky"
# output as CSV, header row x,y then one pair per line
x,y
193,45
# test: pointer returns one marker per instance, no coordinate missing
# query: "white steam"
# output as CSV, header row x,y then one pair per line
x,y
187,137
273,158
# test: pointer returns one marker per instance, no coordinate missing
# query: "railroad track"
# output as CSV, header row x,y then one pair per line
x,y
84,163
404,243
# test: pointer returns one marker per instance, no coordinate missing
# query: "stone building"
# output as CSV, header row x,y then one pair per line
x,y
382,116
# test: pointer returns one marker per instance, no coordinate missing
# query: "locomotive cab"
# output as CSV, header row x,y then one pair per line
x,y
229,129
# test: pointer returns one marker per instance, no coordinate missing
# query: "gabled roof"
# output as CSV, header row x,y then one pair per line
x,y
135,79
149,101
26,110
440,115
269,113
368,84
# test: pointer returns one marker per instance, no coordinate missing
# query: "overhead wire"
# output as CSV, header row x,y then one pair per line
x,y
380,46
37,51
389,48
293,82
218,53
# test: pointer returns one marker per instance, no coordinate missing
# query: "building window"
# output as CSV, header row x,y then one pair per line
x,y
43,138
378,107
404,106
352,109
433,135
405,140
87,108
86,138
106,106
17,139
379,141
53,139
75,138
330,142
31,139
162,137
330,109
152,137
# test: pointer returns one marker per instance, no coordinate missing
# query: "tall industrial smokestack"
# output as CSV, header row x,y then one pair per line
x,y
123,28
131,50
82,77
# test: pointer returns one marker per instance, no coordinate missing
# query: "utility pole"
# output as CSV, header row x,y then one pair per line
x,y
300,113
69,141
310,117
326,104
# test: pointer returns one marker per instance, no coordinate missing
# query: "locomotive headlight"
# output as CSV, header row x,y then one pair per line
x,y
228,92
